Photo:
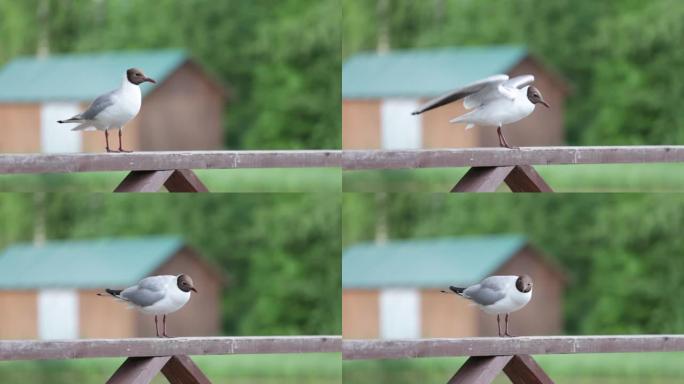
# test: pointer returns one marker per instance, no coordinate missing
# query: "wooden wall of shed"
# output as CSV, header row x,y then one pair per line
x,y
445,315
545,126
361,124
544,314
102,317
360,314
201,315
184,113
21,321
20,128
438,132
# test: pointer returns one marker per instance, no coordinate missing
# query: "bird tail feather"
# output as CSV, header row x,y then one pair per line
x,y
457,290
113,292
83,127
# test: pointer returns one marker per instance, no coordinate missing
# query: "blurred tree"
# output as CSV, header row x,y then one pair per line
x,y
281,253
281,60
621,56
622,253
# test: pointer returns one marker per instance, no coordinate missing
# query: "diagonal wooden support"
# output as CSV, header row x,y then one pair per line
x,y
182,370
141,370
138,370
480,370
520,369
175,180
519,178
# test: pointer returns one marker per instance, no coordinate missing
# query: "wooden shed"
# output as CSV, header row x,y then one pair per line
x,y
392,290
183,111
49,291
380,91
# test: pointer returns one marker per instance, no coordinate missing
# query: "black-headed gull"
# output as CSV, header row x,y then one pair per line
x,y
495,101
157,295
113,109
498,295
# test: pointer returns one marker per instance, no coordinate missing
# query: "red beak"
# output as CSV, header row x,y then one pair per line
x,y
193,289
150,80
545,104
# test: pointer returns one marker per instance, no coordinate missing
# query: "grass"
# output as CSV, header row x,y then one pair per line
x,y
233,180
562,178
234,369
623,368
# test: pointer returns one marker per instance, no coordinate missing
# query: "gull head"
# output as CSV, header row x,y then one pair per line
x,y
136,76
185,283
524,283
535,96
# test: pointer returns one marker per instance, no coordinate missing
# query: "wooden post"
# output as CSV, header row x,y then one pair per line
x,y
520,369
519,178
177,180
141,370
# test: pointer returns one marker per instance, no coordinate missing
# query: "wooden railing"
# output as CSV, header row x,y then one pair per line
x,y
489,356
490,167
151,171
146,357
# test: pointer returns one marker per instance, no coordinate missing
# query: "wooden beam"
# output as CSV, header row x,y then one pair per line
x,y
144,181
184,180
159,161
480,370
482,179
138,370
524,178
182,370
522,369
502,157
491,346
87,348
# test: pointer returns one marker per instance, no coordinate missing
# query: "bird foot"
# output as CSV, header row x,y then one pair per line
x,y
123,150
167,336
112,151
509,146
509,335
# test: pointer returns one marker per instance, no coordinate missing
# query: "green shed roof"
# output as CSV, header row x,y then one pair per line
x,y
427,262
84,264
424,72
83,76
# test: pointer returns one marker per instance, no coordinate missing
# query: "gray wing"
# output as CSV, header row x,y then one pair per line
x,y
460,93
148,291
484,293
97,106
519,81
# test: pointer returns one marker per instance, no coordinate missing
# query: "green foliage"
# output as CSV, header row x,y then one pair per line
x,y
280,60
622,253
622,57
279,253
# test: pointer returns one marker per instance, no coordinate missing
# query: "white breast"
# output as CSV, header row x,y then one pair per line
x,y
127,102
173,300
513,301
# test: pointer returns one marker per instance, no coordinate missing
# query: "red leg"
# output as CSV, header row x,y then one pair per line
x,y
498,325
164,326
506,332
505,143
107,141
156,327
120,148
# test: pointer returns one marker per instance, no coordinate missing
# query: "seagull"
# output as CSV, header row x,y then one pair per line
x,y
497,295
495,101
157,295
113,109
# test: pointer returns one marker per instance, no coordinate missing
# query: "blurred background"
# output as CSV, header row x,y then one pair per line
x,y
609,69
602,264
231,74
255,275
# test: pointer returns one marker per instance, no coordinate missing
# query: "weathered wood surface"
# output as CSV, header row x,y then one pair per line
x,y
495,346
480,370
159,161
86,348
499,157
